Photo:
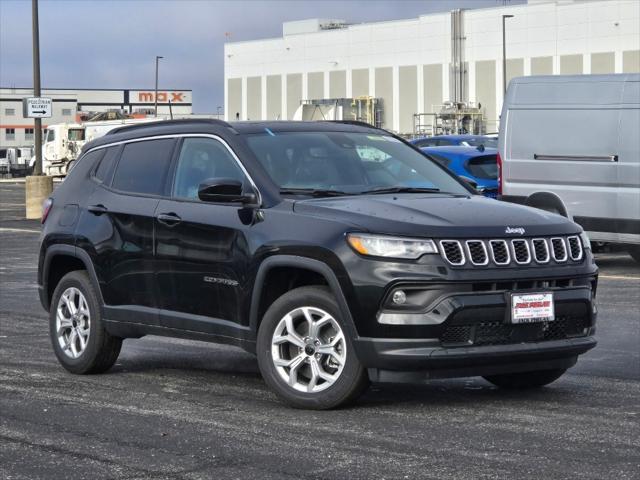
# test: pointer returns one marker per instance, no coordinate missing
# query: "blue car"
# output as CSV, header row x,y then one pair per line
x,y
476,164
462,140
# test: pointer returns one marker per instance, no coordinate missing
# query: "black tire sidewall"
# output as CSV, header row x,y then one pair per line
x,y
86,361
352,381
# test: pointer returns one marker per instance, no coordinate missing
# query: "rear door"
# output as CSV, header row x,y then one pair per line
x,y
122,225
201,247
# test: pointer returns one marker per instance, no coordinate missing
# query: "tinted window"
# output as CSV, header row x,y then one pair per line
x,y
201,159
484,167
90,158
143,167
104,172
440,159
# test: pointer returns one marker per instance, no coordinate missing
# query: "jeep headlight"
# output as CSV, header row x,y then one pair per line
x,y
390,247
586,243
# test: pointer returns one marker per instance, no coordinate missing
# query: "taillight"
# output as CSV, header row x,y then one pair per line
x,y
46,208
499,160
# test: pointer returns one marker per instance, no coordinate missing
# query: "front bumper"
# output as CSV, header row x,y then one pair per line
x,y
470,334
407,360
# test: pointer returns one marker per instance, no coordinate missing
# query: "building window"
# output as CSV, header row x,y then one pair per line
x,y
10,134
10,112
28,134
66,112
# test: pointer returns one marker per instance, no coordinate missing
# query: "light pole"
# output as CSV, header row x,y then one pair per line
x,y
218,108
155,96
504,53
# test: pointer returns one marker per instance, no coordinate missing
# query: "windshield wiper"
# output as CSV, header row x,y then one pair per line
x,y
400,189
314,192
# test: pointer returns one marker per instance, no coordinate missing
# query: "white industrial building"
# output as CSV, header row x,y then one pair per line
x,y
71,105
414,66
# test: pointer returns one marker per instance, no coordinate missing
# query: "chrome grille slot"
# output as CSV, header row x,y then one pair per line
x,y
477,252
541,250
558,249
452,251
575,248
500,252
521,251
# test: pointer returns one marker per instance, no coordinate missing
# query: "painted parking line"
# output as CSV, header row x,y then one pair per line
x,y
18,230
619,277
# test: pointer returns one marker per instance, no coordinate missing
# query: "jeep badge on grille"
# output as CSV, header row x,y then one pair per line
x,y
519,230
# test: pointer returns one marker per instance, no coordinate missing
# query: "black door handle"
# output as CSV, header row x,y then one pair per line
x,y
97,209
169,219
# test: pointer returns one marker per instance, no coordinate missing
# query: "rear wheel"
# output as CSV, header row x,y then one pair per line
x,y
305,354
79,339
525,380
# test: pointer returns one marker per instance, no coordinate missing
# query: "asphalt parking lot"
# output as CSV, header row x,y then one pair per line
x,y
177,409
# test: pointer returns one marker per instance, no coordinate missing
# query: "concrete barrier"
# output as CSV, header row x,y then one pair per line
x,y
37,190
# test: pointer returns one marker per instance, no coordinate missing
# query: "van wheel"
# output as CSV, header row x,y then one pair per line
x,y
79,339
525,380
634,251
305,354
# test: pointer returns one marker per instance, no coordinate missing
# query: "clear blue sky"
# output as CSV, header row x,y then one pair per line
x,y
113,43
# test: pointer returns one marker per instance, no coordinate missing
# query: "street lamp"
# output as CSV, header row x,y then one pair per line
x,y
155,96
504,53
218,108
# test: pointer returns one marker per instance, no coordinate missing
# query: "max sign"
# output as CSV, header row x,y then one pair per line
x,y
163,97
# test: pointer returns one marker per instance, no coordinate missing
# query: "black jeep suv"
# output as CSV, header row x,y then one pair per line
x,y
334,251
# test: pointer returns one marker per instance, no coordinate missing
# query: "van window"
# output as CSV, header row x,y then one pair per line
x,y
202,159
104,172
143,167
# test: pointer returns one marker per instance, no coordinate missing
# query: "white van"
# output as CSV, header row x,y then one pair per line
x,y
571,145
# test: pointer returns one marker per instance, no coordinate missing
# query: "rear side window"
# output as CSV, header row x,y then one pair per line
x,y
484,167
143,167
104,172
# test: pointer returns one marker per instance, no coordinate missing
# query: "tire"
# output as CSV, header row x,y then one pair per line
x,y
340,378
526,380
634,251
100,349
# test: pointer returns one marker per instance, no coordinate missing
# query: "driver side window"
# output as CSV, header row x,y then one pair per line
x,y
202,159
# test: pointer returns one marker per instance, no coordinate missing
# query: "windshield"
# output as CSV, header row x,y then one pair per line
x,y
348,163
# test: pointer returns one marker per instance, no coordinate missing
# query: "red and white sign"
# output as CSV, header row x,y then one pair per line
x,y
164,96
532,307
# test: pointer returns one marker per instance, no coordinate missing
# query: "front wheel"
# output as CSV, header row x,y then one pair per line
x,y
305,354
634,251
525,380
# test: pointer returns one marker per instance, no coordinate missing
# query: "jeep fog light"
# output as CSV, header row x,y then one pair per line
x,y
399,297
390,247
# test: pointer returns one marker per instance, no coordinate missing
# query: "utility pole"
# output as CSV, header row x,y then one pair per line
x,y
155,96
37,187
504,53
37,169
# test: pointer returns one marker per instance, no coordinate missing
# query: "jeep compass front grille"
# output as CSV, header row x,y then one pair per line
x,y
512,252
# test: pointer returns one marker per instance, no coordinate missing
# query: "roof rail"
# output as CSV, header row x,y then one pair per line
x,y
136,126
356,122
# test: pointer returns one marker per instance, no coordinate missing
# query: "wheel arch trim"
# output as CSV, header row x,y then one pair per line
x,y
69,251
305,263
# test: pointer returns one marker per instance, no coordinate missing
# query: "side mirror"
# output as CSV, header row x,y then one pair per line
x,y
225,190
470,183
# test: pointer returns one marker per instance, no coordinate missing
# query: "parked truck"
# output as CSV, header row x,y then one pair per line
x,y
14,161
63,142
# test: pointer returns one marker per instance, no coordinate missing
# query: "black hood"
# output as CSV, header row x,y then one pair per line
x,y
438,216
